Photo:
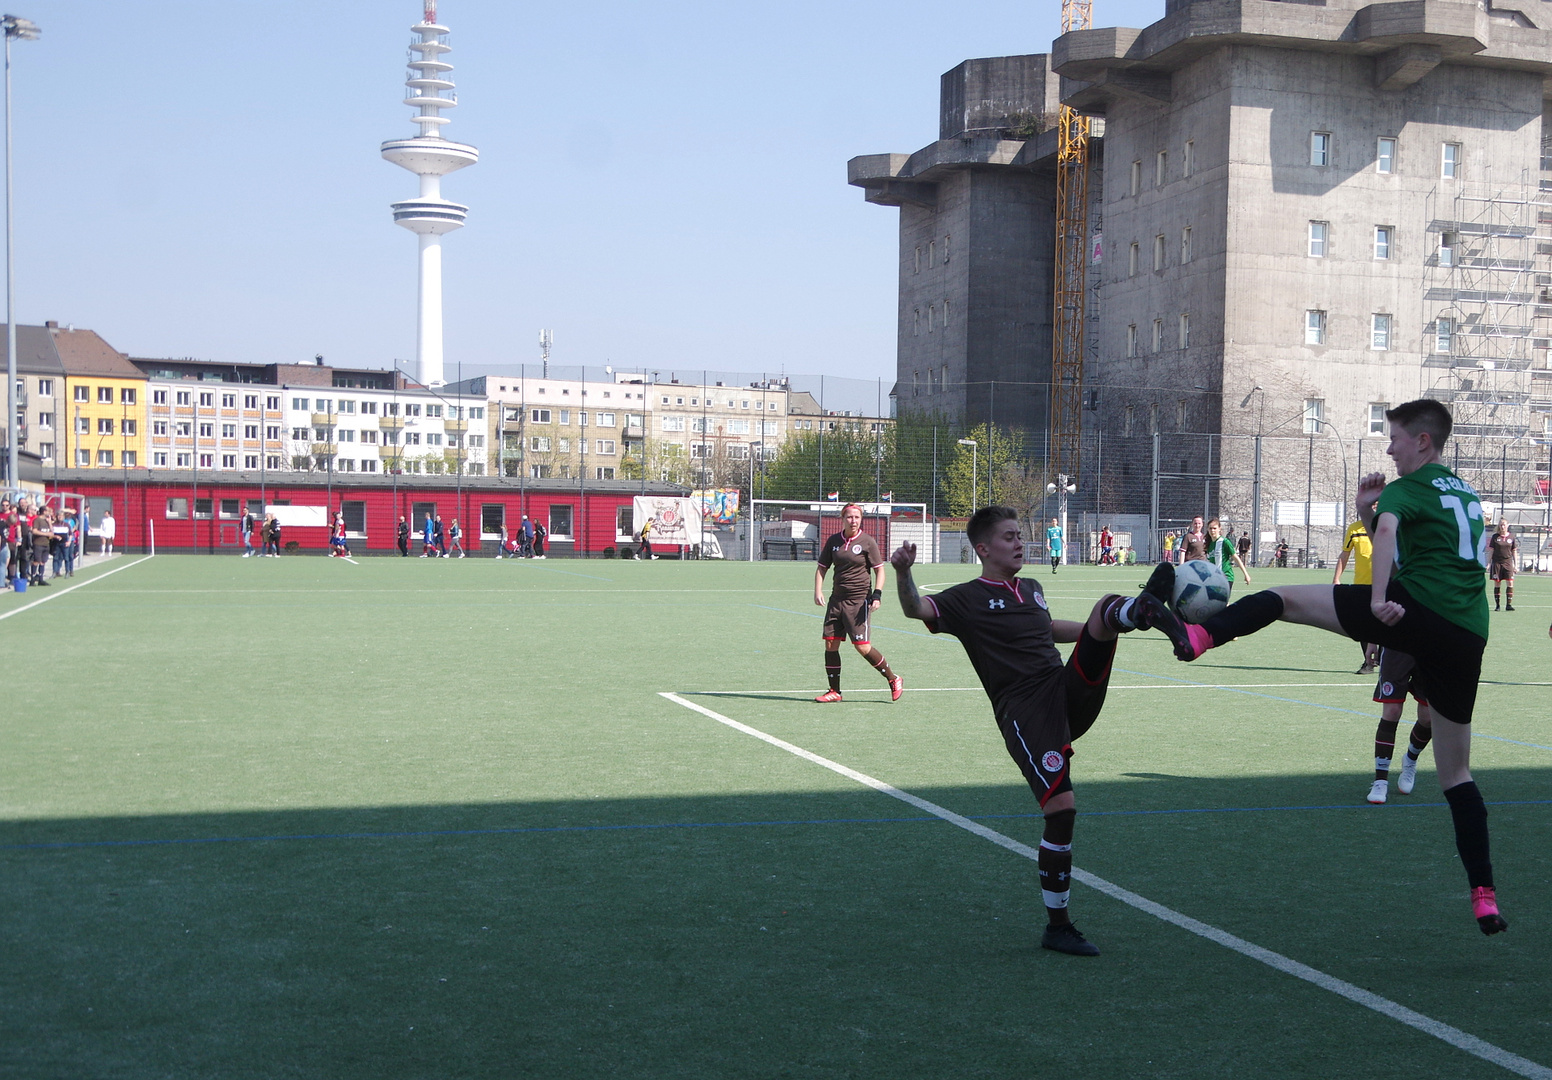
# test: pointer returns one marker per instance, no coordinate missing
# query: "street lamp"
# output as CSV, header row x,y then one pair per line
x,y
15,27
975,471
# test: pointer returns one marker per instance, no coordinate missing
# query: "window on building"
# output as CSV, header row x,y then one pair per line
x,y
1185,330
1158,335
177,508
673,423
1383,235
250,401
1320,148
250,431
207,461
185,460
46,388
129,427
183,428
1377,410
129,459
1188,160
1185,244
1447,242
369,408
45,420
1131,260
105,459
184,397
1379,338
299,404
539,416
126,395
1136,177
1131,340
104,425
945,313
1449,163
1318,232
917,270
83,425
605,446
228,431
1153,419
272,431
83,458
207,400
159,459
1314,413
539,443
932,252
1385,156
1180,415
560,521
272,402
158,397
604,472
202,507
250,461
83,393
228,401
207,431
1444,335
1314,327
1158,252
433,410
1126,427
347,406
105,395
1160,168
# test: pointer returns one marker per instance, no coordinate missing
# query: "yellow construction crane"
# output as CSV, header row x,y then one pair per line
x,y
1072,217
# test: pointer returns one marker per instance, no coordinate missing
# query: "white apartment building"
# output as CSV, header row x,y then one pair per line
x,y
359,430
214,426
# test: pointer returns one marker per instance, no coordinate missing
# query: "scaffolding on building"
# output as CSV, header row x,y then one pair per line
x,y
1488,319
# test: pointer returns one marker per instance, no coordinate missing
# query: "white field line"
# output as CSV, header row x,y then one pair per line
x,y
1427,1025
72,588
1151,686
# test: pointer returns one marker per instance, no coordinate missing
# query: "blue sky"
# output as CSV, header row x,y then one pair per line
x,y
662,184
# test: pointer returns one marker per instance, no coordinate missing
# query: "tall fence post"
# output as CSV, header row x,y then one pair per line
x,y
1153,509
1255,507
1309,499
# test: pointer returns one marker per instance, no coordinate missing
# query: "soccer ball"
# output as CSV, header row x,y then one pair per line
x,y
1201,590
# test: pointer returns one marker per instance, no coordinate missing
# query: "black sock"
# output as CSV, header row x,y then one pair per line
x,y
1421,733
1509,593
1256,612
833,669
1055,863
1496,593
876,658
1470,815
1384,747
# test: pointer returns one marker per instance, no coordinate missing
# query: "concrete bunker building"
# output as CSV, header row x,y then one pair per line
x,y
1309,210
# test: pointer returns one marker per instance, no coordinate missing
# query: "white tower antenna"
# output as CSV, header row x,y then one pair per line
x,y
546,340
429,156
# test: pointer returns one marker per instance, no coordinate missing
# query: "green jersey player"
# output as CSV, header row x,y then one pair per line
x,y
1427,598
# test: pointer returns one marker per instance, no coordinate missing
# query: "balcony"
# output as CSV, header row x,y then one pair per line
x,y
390,423
323,419
322,449
455,427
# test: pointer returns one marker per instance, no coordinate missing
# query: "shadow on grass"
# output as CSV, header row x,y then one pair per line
x,y
828,933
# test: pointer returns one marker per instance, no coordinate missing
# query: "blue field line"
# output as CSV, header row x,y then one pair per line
x,y
426,834
1312,704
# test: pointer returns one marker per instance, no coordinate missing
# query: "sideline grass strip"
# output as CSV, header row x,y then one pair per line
x,y
72,588
1462,1040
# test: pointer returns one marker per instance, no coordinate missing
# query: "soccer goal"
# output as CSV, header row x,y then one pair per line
x,y
779,530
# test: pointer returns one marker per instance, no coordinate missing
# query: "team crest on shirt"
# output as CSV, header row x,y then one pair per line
x,y
1040,599
1387,689
856,549
1052,761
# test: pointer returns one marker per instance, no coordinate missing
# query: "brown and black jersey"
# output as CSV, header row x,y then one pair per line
x,y
1005,628
1503,549
854,560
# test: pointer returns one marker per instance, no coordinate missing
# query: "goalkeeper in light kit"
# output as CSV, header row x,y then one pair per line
x,y
1427,599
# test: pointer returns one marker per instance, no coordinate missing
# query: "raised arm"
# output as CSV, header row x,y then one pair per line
x,y
1369,489
910,600
1384,532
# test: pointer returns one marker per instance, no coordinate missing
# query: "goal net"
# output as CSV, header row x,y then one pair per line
x,y
780,530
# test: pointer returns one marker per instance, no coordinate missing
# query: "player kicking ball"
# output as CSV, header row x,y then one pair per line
x,y
1041,704
1427,598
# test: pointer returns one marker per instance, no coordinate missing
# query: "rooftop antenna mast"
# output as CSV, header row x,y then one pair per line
x,y
546,340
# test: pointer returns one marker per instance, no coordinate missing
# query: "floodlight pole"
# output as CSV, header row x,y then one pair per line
x,y
14,26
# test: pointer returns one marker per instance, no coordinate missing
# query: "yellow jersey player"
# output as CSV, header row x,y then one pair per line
x,y
1356,542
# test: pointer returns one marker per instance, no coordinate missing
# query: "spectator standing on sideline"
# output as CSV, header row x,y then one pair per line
x,y
427,531
274,536
439,537
72,541
42,536
403,537
527,551
1106,546
1169,546
1244,548
106,528
540,532
247,533
1282,553
501,540
1053,543
455,534
59,545
5,543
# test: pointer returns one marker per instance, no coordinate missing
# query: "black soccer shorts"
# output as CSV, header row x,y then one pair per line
x,y
1449,657
1039,728
847,618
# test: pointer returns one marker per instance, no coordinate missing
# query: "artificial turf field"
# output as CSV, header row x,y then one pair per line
x,y
303,817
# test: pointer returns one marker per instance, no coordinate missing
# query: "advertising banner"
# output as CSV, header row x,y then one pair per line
x,y
674,520
718,506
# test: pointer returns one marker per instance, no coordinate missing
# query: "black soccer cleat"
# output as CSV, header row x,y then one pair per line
x,y
1161,583
1150,613
1484,905
1065,938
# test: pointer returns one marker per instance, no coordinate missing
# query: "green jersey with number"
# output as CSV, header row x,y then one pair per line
x,y
1220,552
1441,544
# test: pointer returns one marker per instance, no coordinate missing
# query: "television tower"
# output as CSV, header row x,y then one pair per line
x,y
429,156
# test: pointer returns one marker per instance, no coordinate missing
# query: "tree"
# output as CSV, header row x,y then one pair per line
x,y
812,464
996,460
